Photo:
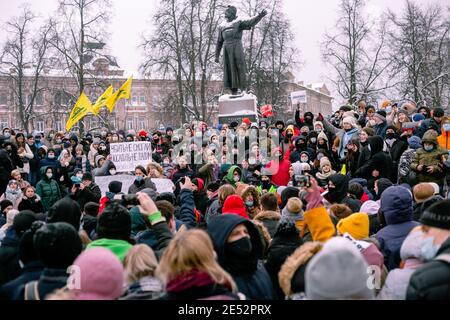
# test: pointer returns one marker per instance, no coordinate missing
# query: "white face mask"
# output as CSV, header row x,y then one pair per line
x,y
79,176
112,172
103,148
236,178
49,175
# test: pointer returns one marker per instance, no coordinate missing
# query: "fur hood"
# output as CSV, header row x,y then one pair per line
x,y
299,258
265,235
267,215
251,190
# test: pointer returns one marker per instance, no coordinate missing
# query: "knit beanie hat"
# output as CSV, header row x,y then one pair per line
x,y
418,117
199,183
422,192
213,186
57,244
437,215
323,162
27,252
23,221
114,223
289,192
370,207
101,275
87,176
415,142
338,271
380,114
5,204
293,211
235,205
91,208
115,186
357,225
350,120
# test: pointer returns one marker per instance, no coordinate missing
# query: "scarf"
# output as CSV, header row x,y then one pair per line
x,y
190,279
324,176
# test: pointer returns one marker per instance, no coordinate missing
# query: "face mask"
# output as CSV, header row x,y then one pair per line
x,y
240,248
80,176
198,134
7,135
49,175
249,204
428,249
428,148
139,178
446,127
58,141
112,172
289,134
318,130
37,140
51,136
390,135
388,109
115,139
313,140
236,178
103,148
308,119
305,134
304,160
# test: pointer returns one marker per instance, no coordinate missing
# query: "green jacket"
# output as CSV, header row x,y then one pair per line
x,y
48,190
433,158
229,176
119,247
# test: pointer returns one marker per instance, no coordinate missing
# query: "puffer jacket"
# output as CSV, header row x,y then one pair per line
x,y
434,158
48,190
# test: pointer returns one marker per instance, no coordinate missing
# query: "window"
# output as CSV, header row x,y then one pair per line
x,y
62,98
40,125
129,124
134,101
4,124
112,122
142,100
3,98
58,125
39,100
154,101
142,124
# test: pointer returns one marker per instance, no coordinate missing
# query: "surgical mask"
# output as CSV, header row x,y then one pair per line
x,y
304,160
198,134
7,135
112,172
428,249
51,156
236,178
103,148
51,136
249,204
313,140
388,109
80,176
139,178
446,127
49,175
318,130
428,147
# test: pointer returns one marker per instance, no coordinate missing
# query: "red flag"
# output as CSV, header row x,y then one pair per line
x,y
266,111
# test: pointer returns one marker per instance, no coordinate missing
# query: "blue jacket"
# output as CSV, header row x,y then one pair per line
x,y
380,129
187,213
255,284
30,272
397,207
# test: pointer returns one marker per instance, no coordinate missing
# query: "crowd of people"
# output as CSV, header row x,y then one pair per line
x,y
349,206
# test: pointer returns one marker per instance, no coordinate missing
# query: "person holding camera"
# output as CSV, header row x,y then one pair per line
x,y
87,190
141,182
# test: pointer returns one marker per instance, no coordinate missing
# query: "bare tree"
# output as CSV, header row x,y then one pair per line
x,y
420,42
77,33
357,53
23,60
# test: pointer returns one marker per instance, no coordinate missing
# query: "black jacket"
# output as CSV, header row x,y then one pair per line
x,y
34,205
432,281
379,161
254,283
88,194
9,257
49,281
6,166
30,272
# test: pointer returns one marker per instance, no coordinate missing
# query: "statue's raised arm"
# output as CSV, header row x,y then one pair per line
x,y
230,40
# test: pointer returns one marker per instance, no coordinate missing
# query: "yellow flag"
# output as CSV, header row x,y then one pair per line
x,y
101,101
81,108
344,170
124,92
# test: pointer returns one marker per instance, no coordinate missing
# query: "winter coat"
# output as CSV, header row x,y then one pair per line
x,y
426,124
49,281
137,186
48,190
34,204
88,194
396,205
254,283
12,195
65,210
82,162
26,156
270,220
229,176
9,257
157,238
285,241
434,158
214,209
46,162
404,166
342,135
147,288
432,281
444,140
280,170
31,271
378,161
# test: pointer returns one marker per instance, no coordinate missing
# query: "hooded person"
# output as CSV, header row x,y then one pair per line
x,y
57,245
397,281
338,192
430,282
200,197
266,184
234,175
238,245
308,119
338,271
65,210
429,160
433,122
396,206
300,145
379,164
48,188
279,168
114,230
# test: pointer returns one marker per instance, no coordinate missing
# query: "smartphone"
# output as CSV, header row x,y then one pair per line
x,y
302,180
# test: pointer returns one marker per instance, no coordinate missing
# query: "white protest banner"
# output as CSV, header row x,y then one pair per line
x,y
298,97
127,155
162,185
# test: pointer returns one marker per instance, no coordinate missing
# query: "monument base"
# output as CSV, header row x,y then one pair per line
x,y
234,108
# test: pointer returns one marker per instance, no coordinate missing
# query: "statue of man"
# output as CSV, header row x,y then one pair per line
x,y
230,38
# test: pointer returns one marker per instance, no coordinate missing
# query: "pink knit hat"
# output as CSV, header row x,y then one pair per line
x,y
101,275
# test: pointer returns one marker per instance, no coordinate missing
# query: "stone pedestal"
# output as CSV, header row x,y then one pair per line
x,y
235,108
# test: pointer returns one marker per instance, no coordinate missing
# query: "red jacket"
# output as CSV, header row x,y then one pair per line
x,y
279,170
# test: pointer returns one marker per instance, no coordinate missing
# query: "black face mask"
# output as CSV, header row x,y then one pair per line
x,y
289,135
240,257
300,146
390,135
308,119
265,184
305,134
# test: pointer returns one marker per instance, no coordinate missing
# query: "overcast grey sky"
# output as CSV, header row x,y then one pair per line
x,y
309,19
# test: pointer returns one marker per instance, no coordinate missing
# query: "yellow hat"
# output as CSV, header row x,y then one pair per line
x,y
357,225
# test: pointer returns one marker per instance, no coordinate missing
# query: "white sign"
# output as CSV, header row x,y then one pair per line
x,y
162,185
127,155
298,97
